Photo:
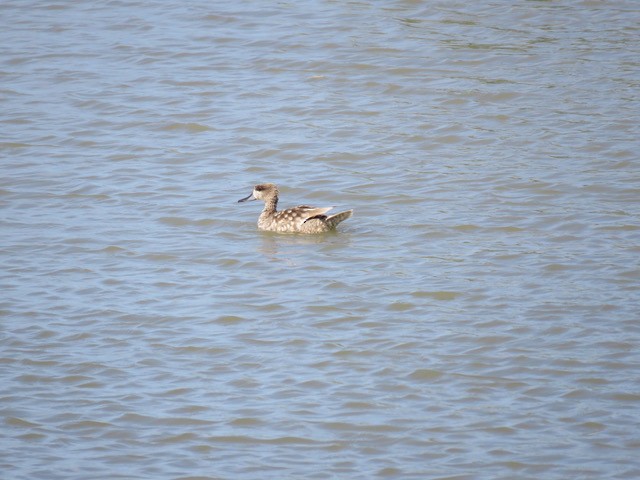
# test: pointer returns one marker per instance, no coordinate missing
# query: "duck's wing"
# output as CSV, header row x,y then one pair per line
x,y
331,220
309,212
301,213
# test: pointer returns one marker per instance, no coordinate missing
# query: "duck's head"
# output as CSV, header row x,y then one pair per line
x,y
262,191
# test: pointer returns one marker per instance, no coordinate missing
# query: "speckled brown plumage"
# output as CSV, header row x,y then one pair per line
x,y
300,219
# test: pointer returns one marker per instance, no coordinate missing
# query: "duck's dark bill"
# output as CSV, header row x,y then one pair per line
x,y
250,197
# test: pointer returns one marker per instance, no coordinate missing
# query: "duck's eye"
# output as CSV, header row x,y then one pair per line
x,y
259,188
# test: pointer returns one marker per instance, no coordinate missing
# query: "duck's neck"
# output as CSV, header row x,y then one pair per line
x,y
270,205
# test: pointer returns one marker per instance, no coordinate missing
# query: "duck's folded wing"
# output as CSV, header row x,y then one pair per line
x,y
313,211
302,212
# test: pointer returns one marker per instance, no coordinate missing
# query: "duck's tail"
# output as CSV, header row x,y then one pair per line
x,y
333,220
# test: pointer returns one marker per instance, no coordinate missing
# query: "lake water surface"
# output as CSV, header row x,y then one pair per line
x,y
477,318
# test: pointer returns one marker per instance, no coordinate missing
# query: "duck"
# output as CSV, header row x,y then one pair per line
x,y
300,219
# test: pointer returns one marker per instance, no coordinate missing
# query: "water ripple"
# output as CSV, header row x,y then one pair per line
x,y
476,318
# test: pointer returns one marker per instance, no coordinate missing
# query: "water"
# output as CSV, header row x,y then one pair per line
x,y
476,318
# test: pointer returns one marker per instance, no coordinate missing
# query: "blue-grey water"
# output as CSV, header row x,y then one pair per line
x,y
477,318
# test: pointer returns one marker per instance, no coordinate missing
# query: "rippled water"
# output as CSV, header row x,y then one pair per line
x,y
478,317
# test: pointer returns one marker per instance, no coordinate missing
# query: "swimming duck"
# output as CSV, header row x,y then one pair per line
x,y
301,219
